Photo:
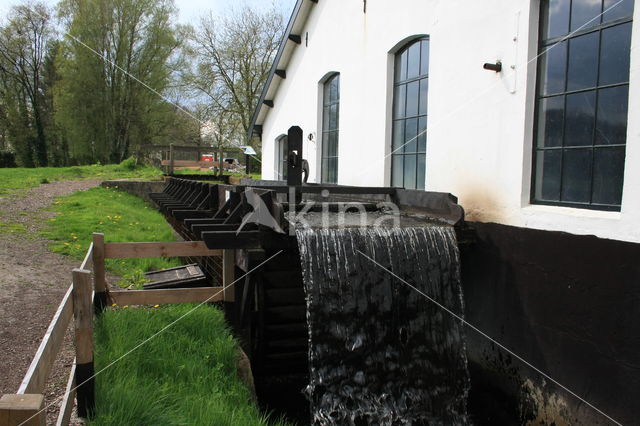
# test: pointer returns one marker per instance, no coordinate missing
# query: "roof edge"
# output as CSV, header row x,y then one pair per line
x,y
283,44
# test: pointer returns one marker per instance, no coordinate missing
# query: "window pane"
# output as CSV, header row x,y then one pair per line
x,y
325,144
326,113
583,62
397,170
424,57
608,174
333,170
335,88
326,93
398,135
576,175
548,175
413,95
410,171
611,127
424,90
333,145
421,171
585,13
614,54
550,121
552,69
410,135
617,9
413,68
579,119
399,101
333,117
422,134
401,67
555,18
325,170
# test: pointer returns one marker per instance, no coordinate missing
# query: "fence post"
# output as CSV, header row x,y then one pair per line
x,y
83,313
99,278
22,409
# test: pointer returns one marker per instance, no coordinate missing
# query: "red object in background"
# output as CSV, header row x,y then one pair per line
x,y
207,158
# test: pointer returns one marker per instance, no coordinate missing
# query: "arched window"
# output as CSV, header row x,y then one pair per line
x,y
409,140
282,147
582,103
330,125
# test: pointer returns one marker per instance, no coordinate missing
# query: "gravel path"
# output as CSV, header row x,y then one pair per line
x,y
32,283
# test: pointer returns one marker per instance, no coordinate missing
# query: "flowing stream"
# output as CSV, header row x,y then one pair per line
x,y
380,352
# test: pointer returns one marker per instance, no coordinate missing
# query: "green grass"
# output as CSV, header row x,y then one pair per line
x,y
16,179
185,375
12,228
122,217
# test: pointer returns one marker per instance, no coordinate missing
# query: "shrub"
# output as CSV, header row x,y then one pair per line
x,y
128,164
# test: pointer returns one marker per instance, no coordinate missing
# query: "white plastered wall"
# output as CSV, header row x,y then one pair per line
x,y
480,123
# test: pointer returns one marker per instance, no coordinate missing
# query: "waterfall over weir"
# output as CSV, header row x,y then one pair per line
x,y
380,352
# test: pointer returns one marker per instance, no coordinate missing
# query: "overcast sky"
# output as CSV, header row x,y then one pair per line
x,y
191,10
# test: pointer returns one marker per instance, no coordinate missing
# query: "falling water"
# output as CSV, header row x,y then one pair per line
x,y
380,352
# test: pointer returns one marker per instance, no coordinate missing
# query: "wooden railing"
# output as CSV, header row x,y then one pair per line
x,y
88,295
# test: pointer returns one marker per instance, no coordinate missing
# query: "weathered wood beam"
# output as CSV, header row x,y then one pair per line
x,y
83,314
295,38
22,409
166,296
36,378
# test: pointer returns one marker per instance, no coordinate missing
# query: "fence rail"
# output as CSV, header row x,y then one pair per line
x,y
86,297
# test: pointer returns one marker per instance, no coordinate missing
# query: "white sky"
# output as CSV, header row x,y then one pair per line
x,y
190,10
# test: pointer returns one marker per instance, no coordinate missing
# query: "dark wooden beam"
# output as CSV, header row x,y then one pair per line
x,y
281,73
295,38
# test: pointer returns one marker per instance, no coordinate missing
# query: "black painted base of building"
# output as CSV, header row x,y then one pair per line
x,y
569,305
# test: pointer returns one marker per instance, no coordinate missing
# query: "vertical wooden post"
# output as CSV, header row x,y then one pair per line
x,y
228,275
99,277
83,313
22,409
171,159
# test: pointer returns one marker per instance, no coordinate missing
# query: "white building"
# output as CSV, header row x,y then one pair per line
x,y
543,156
481,126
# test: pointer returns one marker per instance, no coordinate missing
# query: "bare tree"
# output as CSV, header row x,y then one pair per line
x,y
233,56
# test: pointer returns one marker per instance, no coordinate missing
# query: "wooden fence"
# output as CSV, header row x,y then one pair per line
x,y
88,295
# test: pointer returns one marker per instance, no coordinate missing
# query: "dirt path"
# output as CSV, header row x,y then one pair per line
x,y
32,283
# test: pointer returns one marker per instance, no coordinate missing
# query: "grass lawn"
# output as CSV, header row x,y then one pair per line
x,y
185,375
15,179
121,217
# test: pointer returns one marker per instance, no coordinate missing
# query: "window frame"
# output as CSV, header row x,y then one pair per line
x,y
542,44
324,132
395,83
281,154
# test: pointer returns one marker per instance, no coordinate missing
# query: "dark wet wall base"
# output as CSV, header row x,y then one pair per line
x,y
568,304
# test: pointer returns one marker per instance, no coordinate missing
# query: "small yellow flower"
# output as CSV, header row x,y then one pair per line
x,y
156,306
122,262
125,306
101,223
114,305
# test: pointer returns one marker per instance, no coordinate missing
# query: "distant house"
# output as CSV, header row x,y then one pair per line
x,y
541,146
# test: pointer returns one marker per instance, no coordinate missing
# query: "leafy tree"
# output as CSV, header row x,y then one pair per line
x,y
114,65
23,46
